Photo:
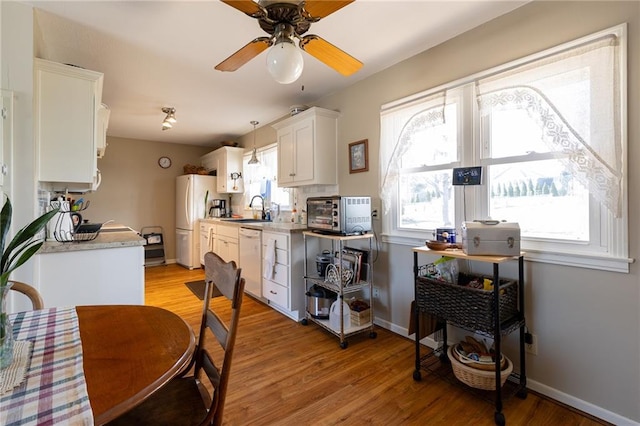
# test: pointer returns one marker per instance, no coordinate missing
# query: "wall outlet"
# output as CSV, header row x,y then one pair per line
x,y
376,292
532,348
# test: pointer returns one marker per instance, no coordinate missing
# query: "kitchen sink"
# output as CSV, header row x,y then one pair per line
x,y
246,220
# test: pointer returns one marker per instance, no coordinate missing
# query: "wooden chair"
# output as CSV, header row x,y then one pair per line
x,y
30,292
187,400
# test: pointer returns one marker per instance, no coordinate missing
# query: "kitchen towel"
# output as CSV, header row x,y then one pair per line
x,y
270,259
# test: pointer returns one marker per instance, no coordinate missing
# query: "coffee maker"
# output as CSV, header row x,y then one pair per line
x,y
218,208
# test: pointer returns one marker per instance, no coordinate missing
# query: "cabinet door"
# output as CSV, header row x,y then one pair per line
x,y
6,131
304,151
103,123
286,164
67,100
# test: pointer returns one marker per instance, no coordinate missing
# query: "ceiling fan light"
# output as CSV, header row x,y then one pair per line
x,y
166,125
284,62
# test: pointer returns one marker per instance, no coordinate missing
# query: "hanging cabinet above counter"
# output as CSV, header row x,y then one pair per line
x,y
307,148
69,125
227,162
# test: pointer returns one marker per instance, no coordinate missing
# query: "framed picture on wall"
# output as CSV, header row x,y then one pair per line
x,y
359,156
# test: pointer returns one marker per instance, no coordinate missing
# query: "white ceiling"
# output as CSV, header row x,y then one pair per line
x,y
162,53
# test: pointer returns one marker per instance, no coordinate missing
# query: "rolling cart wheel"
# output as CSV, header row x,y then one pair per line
x,y
499,418
304,321
344,344
522,393
417,375
373,335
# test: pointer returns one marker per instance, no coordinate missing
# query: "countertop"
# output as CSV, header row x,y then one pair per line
x,y
285,227
110,236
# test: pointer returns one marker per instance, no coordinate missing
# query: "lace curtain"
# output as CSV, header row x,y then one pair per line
x,y
574,96
398,123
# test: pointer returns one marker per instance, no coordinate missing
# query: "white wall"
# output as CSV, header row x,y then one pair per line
x,y
587,322
17,76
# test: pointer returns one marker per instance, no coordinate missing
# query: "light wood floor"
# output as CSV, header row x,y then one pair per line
x,y
285,373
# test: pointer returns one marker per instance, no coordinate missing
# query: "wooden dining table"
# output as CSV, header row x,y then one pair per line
x,y
90,364
130,351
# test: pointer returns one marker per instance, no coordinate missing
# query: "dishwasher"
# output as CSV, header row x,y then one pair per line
x,y
251,260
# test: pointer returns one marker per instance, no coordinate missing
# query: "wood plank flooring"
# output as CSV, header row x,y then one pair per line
x,y
285,373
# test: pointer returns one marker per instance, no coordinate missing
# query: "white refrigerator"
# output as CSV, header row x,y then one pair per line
x,y
194,194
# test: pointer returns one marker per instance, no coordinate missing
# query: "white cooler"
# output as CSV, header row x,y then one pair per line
x,y
491,237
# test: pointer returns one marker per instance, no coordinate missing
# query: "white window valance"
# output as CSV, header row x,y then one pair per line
x,y
398,123
574,96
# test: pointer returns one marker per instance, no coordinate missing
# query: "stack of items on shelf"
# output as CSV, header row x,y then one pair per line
x,y
473,363
354,260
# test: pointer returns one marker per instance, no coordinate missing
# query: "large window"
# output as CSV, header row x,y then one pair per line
x,y
261,179
549,132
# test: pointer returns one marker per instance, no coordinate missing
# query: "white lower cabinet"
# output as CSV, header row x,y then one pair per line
x,y
109,276
282,286
226,243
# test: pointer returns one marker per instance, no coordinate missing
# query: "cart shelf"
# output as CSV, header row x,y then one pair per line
x,y
506,299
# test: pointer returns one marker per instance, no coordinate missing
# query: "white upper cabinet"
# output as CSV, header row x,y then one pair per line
x,y
307,148
103,123
67,100
227,161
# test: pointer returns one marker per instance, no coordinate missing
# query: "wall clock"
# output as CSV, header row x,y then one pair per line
x,y
164,162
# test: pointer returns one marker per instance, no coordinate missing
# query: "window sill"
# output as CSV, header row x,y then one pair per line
x,y
604,263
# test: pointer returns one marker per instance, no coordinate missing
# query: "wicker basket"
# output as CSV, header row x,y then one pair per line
x,y
479,379
467,307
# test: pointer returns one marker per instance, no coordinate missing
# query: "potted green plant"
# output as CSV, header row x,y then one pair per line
x,y
16,252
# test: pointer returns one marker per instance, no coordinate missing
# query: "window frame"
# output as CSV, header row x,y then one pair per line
x,y
609,252
259,152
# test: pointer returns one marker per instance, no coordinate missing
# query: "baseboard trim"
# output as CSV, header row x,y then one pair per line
x,y
547,391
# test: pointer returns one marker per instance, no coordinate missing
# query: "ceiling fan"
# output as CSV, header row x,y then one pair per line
x,y
285,22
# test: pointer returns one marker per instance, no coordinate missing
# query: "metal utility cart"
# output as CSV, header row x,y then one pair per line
x,y
344,283
493,313
154,254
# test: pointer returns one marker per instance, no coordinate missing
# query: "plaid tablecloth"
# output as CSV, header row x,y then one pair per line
x,y
54,391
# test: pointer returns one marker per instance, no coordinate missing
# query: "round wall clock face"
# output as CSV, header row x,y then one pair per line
x,y
164,162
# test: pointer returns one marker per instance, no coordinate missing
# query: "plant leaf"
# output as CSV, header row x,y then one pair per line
x,y
5,223
21,242
25,254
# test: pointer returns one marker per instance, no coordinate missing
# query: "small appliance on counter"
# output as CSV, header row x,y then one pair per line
x,y
319,301
218,208
322,261
339,215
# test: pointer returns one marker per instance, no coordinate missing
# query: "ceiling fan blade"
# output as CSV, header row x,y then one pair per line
x,y
319,9
330,55
245,54
249,7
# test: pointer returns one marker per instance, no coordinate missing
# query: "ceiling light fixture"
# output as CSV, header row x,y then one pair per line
x,y
284,60
170,119
254,158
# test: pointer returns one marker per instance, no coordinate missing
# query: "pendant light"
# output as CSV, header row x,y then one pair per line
x,y
254,158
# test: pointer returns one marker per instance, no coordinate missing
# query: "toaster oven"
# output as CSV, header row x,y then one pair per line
x,y
339,215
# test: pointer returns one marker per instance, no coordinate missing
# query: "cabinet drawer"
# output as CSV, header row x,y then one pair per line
x,y
227,231
275,293
280,275
282,247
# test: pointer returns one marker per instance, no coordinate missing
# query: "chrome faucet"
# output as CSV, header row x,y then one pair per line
x,y
264,213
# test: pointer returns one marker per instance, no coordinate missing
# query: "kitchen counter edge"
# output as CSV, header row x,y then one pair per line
x,y
284,227
104,240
